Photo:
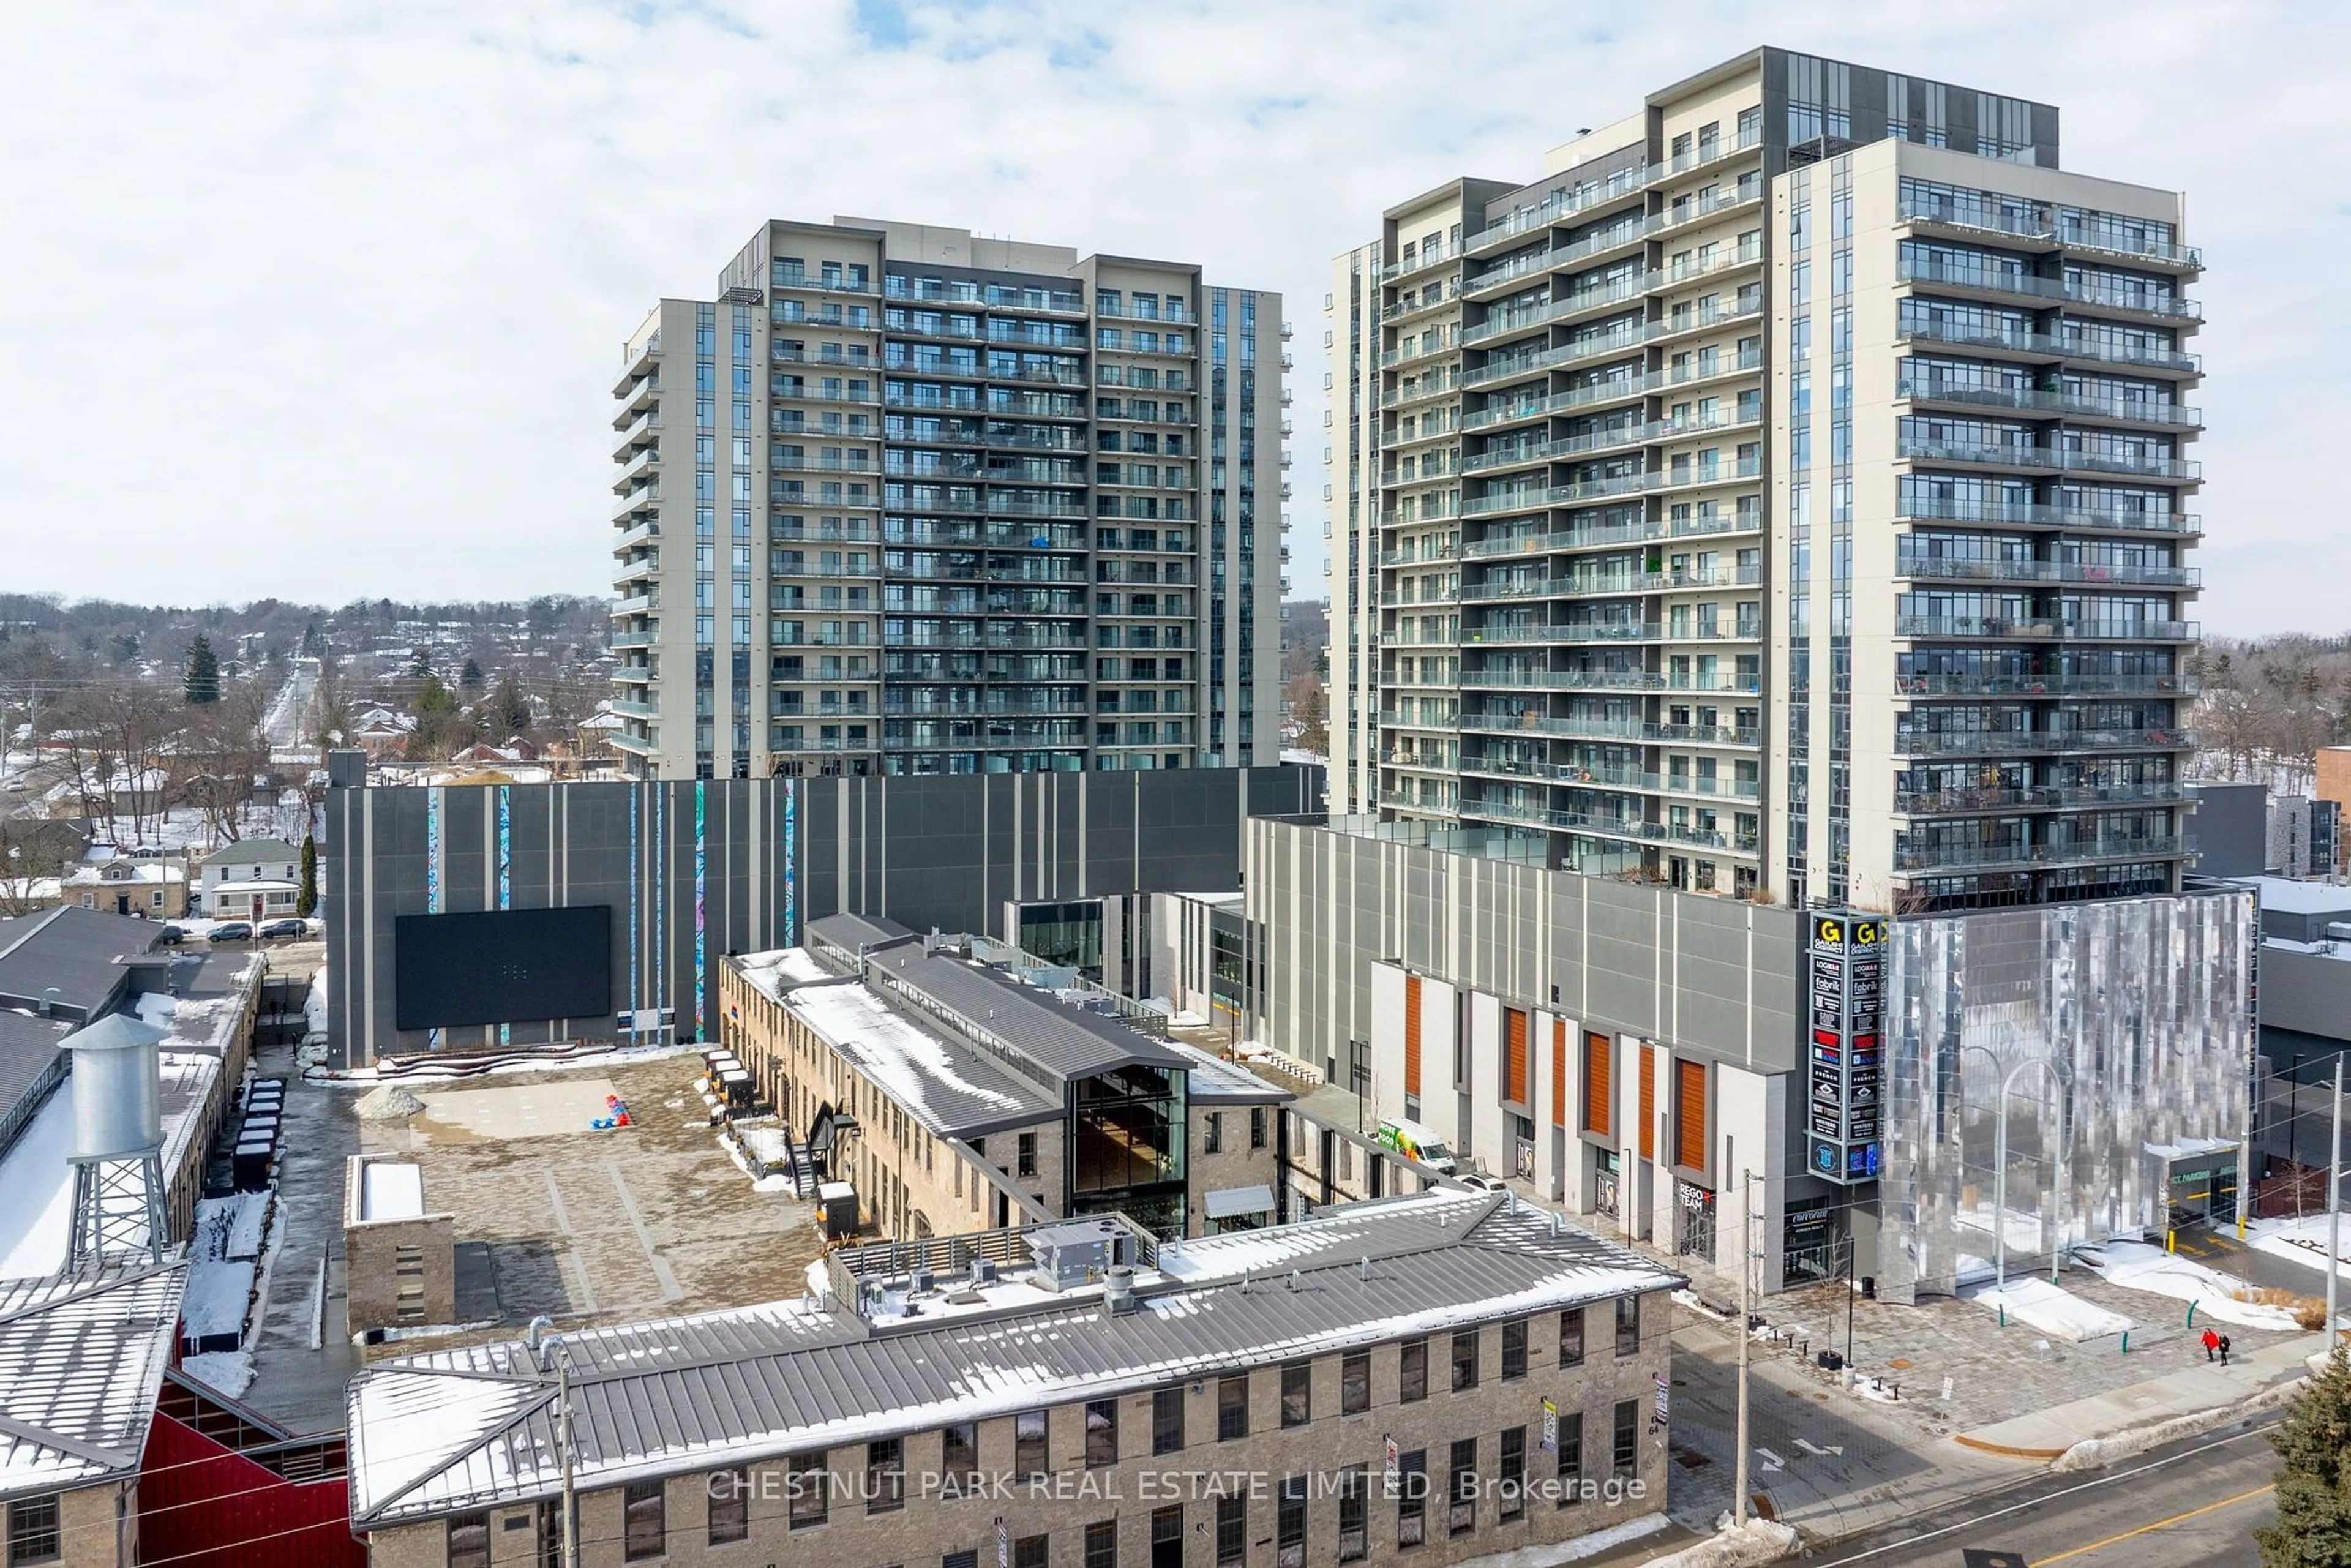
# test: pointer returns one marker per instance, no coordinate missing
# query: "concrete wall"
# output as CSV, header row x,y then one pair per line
x,y
1127,1493
693,871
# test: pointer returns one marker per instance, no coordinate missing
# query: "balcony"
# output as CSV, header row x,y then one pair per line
x,y
2042,346
1499,324
635,604
1509,680
1707,152
642,431
638,393
1534,498
1618,237
1698,475
621,641
2040,227
1618,187
1728,258
1698,321
1911,857
2175,469
1621,340
2045,627
2031,399
642,465
1922,567
2049,686
2038,798
1615,389
2026,286
2072,519
1698,212
638,361
636,535
2037,742
635,502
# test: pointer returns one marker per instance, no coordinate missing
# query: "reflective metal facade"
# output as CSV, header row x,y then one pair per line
x,y
2122,1031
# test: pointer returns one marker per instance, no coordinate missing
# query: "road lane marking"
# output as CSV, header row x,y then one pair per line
x,y
2158,1524
1911,1543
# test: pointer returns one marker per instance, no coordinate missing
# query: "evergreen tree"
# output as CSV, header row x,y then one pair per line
x,y
470,678
2314,1489
202,682
306,898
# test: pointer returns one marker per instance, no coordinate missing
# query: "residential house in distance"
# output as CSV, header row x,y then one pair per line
x,y
954,1097
1445,1375
253,879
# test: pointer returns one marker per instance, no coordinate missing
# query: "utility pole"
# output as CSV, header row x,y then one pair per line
x,y
563,1441
2333,1204
1746,1219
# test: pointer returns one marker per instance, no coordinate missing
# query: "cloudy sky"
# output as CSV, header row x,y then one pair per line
x,y
349,280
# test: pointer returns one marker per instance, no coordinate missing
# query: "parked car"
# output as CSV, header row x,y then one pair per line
x,y
233,931
170,935
277,928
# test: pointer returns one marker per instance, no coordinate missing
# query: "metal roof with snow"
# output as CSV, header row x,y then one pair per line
x,y
80,1360
454,1430
1048,1035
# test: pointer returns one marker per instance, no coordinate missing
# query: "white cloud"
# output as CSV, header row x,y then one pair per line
x,y
323,300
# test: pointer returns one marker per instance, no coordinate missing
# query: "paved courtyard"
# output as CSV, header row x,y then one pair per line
x,y
650,1220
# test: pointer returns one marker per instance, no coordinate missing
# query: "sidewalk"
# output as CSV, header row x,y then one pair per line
x,y
2045,1435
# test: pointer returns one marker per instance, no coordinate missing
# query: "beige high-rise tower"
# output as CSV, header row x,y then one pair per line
x,y
904,499
1783,497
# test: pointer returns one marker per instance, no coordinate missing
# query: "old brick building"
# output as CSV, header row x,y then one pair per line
x,y
1445,1374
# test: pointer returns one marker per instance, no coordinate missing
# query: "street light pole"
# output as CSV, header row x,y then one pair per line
x,y
1746,1217
2333,1204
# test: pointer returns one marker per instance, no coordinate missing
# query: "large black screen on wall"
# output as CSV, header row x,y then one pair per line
x,y
502,965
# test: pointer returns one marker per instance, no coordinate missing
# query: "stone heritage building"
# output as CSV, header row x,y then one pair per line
x,y
1445,1375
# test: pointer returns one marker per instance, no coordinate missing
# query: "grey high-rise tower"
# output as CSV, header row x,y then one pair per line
x,y
903,500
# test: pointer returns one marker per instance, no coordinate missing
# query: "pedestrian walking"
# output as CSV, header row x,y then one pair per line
x,y
2212,1344
2224,1350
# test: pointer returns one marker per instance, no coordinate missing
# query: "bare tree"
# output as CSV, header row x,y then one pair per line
x,y
121,740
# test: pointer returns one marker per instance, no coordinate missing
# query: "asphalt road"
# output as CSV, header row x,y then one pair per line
x,y
2193,1505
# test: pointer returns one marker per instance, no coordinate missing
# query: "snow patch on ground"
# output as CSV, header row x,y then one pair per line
x,y
2054,1311
778,1182
314,1005
2136,1266
2090,1453
227,1371
2303,1239
1735,1546
820,1283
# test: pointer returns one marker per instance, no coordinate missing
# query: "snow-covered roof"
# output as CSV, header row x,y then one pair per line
x,y
947,1085
473,1426
778,969
80,1360
36,1173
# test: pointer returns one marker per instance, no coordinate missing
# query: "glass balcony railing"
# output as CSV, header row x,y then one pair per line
x,y
2046,626
2022,514
1906,564
2035,400
2032,742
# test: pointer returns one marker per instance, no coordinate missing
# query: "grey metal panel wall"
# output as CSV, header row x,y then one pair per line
x,y
946,851
1704,974
2307,992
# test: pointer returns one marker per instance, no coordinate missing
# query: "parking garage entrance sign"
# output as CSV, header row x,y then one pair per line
x,y
1845,982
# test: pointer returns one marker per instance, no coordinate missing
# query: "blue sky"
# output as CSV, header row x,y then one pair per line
x,y
318,300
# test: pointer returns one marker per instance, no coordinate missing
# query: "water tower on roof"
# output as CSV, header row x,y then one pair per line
x,y
117,1146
